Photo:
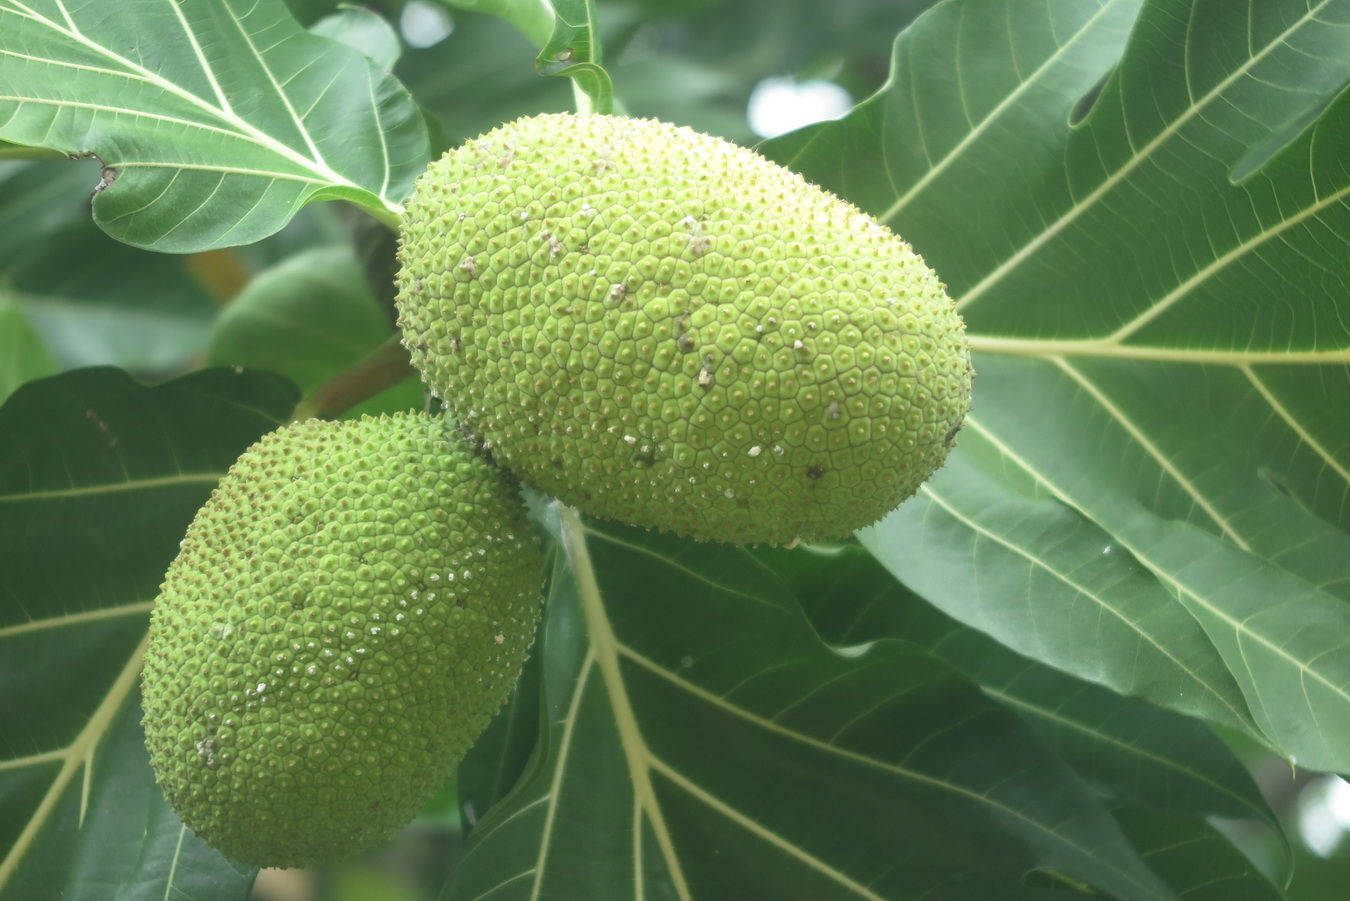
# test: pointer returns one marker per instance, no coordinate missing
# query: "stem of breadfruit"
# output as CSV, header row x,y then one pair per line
x,y
581,99
384,367
390,217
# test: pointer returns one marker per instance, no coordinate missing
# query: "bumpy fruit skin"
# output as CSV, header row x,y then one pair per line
x,y
664,328
347,612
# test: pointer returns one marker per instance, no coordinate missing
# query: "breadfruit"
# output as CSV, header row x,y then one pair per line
x,y
348,610
661,327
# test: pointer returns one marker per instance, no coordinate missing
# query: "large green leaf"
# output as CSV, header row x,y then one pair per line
x,y
38,199
23,357
1286,641
214,120
99,477
1169,769
657,651
494,764
991,548
1195,859
1131,751
128,844
1139,218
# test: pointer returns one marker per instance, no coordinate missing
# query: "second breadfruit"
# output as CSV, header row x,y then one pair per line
x,y
664,328
348,610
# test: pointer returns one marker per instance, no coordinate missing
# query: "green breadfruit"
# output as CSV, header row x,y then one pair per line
x,y
347,612
664,328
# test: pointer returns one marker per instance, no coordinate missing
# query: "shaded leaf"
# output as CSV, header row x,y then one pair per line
x,y
479,77
99,477
23,357
129,843
657,650
303,318
39,199
1130,751
1197,862
96,302
500,755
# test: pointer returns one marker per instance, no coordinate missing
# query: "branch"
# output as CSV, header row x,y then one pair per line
x,y
382,368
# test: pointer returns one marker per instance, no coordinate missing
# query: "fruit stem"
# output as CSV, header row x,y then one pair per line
x,y
382,368
389,216
581,99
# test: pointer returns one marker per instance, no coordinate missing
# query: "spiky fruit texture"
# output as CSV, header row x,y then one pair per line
x,y
661,327
348,610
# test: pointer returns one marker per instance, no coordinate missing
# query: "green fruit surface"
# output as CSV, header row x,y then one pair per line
x,y
664,328
347,612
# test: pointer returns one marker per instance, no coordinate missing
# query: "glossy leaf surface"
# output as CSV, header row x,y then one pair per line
x,y
214,121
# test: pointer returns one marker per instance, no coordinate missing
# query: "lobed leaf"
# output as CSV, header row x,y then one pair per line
x,y
214,120
99,477
657,650
1141,210
1132,752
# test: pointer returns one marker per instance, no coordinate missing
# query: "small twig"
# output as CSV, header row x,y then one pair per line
x,y
382,368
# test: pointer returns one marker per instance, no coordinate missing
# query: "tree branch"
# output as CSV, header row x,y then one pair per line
x,y
382,368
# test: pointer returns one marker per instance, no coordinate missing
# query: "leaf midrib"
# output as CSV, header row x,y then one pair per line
x,y
186,478
1008,345
896,769
78,753
74,619
1101,603
1135,159
604,645
618,648
1239,627
1075,725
